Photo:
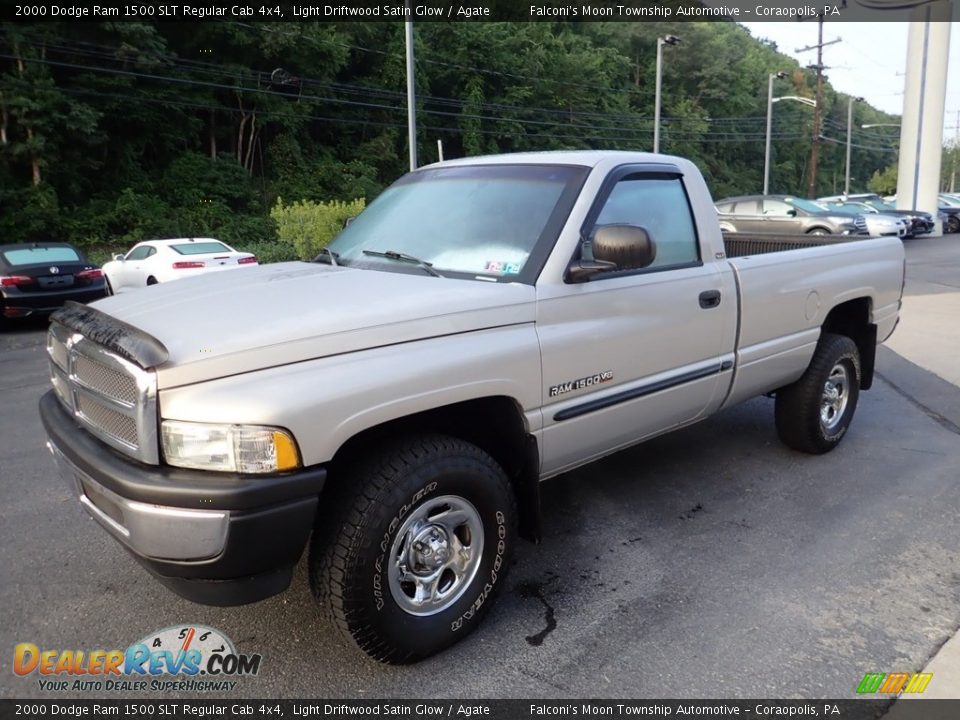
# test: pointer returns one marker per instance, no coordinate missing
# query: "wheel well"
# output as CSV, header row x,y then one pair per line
x,y
494,424
852,318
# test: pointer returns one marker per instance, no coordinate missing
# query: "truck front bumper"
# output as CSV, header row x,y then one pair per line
x,y
213,538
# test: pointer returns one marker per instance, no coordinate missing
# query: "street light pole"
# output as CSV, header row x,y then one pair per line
x,y
766,158
851,101
411,97
661,41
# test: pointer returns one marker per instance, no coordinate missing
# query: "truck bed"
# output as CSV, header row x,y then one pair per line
x,y
784,298
744,244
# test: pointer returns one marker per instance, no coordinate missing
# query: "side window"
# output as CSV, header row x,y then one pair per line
x,y
139,253
725,208
778,208
151,251
747,207
660,206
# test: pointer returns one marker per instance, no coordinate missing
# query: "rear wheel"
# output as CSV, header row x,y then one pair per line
x,y
813,414
152,280
414,547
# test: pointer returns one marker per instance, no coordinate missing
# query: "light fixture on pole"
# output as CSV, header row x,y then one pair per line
x,y
766,168
766,157
850,102
661,41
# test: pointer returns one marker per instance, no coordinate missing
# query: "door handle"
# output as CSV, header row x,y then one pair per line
x,y
709,299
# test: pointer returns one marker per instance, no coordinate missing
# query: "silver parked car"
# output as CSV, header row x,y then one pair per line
x,y
871,221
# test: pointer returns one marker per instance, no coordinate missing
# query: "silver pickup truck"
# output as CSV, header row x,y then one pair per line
x,y
485,324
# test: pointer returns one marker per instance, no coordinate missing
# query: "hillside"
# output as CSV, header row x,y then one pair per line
x,y
112,132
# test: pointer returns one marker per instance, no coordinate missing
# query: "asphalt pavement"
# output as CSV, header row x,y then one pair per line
x,y
712,562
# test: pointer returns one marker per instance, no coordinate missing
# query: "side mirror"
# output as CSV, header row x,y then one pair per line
x,y
118,256
791,213
614,247
346,223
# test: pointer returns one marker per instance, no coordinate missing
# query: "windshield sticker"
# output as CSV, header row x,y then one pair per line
x,y
498,266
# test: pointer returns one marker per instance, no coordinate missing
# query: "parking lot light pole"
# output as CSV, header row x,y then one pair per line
x,y
411,95
661,41
850,102
766,158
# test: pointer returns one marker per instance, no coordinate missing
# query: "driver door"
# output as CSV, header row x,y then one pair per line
x,y
630,354
132,273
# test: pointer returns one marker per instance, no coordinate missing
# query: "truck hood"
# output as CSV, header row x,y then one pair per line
x,y
253,318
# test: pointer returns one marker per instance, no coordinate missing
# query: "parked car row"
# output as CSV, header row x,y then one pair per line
x,y
862,214
38,278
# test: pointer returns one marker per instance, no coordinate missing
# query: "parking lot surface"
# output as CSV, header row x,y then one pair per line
x,y
712,562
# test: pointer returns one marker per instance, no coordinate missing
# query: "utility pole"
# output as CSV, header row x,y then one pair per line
x,y
815,145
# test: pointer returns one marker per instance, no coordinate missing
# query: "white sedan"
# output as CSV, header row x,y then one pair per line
x,y
157,261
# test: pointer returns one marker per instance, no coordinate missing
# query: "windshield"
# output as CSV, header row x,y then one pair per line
x,y
843,208
32,255
878,204
808,205
484,221
200,248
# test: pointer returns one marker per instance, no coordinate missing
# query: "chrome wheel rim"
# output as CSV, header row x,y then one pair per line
x,y
836,394
435,555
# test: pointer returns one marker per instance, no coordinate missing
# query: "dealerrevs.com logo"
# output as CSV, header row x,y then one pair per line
x,y
190,658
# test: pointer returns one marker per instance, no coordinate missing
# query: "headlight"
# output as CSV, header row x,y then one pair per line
x,y
228,448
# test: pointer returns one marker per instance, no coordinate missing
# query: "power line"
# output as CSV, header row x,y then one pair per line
x,y
355,103
218,71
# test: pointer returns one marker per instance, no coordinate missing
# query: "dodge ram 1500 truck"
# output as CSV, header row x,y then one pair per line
x,y
485,324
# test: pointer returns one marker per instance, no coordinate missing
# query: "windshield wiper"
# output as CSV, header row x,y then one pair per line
x,y
331,256
403,257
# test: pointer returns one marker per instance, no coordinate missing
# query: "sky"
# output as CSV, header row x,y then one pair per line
x,y
868,62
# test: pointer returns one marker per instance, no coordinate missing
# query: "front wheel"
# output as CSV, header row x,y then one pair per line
x,y
953,224
818,231
414,549
814,413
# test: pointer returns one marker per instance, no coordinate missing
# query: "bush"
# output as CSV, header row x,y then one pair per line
x,y
310,226
269,252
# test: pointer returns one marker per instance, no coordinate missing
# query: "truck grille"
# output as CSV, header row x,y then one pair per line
x,y
110,396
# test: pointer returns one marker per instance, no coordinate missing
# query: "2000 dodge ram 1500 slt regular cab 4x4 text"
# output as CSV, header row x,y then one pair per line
x,y
483,325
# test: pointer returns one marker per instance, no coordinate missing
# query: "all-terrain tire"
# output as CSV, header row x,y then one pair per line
x,y
814,413
368,538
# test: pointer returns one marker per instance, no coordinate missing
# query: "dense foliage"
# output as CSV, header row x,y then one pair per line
x,y
112,132
306,226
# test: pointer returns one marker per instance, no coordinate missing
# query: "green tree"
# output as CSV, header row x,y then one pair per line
x,y
884,182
